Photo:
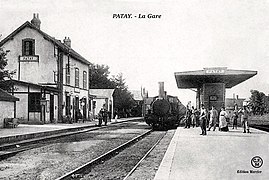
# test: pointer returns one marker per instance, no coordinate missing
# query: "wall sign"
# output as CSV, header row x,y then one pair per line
x,y
29,58
213,98
215,70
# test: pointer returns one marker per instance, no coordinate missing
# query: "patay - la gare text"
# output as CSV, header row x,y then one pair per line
x,y
140,16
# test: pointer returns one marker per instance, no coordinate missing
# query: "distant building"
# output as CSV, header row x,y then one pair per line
x,y
138,97
230,103
148,102
7,106
51,79
102,98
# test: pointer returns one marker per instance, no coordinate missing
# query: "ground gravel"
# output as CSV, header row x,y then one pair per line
x,y
148,168
65,154
118,166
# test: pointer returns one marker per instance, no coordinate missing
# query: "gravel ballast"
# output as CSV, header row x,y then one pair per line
x,y
66,154
149,166
118,166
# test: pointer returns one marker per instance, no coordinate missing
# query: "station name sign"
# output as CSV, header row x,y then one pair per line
x,y
215,71
29,58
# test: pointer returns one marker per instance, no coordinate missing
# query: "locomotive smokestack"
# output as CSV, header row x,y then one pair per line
x,y
161,90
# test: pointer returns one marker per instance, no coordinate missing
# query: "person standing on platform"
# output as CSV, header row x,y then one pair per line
x,y
203,119
105,114
244,118
223,120
235,117
213,116
197,115
109,115
188,118
193,116
100,117
116,115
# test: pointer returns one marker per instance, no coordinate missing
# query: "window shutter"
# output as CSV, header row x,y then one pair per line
x,y
33,47
23,47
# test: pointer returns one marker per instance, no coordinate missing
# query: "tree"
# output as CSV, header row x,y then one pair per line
x,y
257,102
99,77
4,73
123,99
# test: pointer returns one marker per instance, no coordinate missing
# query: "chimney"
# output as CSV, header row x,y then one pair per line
x,y
67,41
237,97
36,21
161,90
165,95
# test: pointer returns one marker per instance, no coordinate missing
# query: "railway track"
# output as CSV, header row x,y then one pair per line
x,y
142,159
64,155
82,170
261,127
12,149
120,162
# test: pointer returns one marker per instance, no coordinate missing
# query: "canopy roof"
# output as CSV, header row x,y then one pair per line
x,y
195,79
4,96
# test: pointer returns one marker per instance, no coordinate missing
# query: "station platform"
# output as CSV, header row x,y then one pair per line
x,y
218,155
24,131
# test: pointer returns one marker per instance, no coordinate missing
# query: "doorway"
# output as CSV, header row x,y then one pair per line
x,y
51,108
84,108
68,105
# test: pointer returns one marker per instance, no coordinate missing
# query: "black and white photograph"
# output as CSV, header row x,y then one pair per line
x,y
134,90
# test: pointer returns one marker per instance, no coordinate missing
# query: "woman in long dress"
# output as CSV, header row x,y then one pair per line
x,y
223,125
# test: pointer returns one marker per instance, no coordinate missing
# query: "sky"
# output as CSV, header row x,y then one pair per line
x,y
190,35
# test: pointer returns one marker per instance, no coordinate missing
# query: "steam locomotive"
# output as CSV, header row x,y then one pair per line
x,y
165,111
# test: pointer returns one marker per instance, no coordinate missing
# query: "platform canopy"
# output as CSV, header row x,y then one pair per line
x,y
195,79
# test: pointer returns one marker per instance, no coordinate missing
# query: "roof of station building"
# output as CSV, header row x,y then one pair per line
x,y
195,79
57,42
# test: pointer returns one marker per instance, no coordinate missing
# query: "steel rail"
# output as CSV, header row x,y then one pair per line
x,y
260,127
76,172
29,144
143,158
24,146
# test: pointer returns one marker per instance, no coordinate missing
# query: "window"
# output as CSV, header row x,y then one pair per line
x,y
28,47
67,74
84,80
76,77
34,102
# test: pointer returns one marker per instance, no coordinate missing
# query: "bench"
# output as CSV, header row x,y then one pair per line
x,y
11,122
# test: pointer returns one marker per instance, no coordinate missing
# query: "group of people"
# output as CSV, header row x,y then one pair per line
x,y
210,119
192,117
102,116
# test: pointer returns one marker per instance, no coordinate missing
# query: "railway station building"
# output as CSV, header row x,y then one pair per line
x,y
51,80
210,83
